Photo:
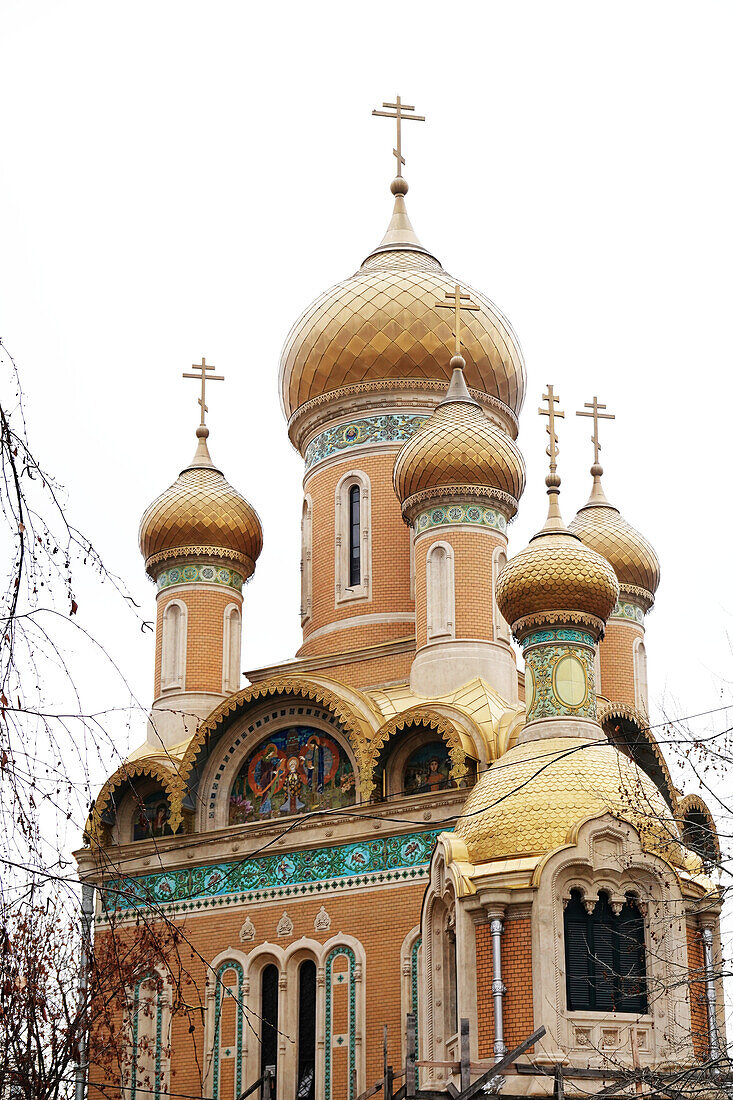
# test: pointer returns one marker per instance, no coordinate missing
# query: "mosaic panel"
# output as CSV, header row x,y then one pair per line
x,y
350,1038
427,769
200,574
625,609
541,671
476,515
144,1089
383,859
390,428
561,634
152,817
223,991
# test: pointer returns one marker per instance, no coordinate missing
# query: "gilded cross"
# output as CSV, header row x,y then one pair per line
x,y
395,110
457,302
551,412
597,415
201,369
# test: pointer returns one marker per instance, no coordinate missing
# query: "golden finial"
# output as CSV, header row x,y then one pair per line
x,y
202,368
552,481
457,302
401,112
597,494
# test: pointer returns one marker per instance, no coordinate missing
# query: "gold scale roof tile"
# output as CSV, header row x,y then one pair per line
x,y
201,513
530,799
382,323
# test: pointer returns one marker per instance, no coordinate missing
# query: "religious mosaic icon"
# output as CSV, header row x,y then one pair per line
x,y
427,769
152,817
296,770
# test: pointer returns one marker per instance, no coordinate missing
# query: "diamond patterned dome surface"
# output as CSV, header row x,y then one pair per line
x,y
201,513
604,529
530,799
458,446
383,324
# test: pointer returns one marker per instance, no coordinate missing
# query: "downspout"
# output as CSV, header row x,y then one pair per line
x,y
87,915
498,988
710,994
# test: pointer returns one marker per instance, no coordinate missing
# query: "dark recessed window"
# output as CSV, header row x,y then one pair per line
x,y
306,1089
604,956
354,536
268,1047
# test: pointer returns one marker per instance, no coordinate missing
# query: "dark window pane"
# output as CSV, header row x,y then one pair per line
x,y
632,960
268,1049
354,536
306,1088
605,960
604,963
577,954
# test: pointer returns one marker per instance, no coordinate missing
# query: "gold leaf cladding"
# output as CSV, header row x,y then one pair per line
x,y
633,559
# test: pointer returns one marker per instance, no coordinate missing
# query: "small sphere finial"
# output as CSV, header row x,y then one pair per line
x,y
596,469
202,432
398,186
458,363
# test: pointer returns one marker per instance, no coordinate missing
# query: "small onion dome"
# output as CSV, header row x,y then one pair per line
x,y
603,528
556,579
534,796
458,452
379,330
201,515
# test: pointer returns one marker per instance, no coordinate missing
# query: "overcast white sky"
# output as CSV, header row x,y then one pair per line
x,y
181,179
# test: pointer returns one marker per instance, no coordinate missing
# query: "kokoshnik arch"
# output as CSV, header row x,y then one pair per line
x,y
397,819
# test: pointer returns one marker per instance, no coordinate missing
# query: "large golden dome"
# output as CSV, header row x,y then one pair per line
x,y
381,326
459,451
603,528
201,514
535,795
556,573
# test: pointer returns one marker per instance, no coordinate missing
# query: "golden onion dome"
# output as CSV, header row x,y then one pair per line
x,y
381,328
556,579
459,452
602,528
535,796
201,515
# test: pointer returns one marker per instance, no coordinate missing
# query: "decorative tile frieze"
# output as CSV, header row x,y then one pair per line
x,y
625,609
381,861
200,574
559,677
388,428
476,515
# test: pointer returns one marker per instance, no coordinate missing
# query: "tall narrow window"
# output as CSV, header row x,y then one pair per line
x,y
354,536
501,626
173,647
605,956
268,1046
232,649
306,561
641,689
306,1088
440,592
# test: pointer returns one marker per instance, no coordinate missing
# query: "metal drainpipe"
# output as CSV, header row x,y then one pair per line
x,y
710,995
498,989
87,915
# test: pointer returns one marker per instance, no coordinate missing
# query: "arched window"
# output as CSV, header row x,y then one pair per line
x,y
306,1078
353,543
641,688
229,1025
502,632
232,649
440,592
147,1074
605,956
269,1011
173,647
306,563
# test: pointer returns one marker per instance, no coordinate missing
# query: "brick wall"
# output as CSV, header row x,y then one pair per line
x,y
698,1006
205,634
617,661
516,966
474,580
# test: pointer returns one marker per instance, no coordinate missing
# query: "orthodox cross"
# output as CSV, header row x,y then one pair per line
x,y
457,302
398,107
202,368
551,412
597,415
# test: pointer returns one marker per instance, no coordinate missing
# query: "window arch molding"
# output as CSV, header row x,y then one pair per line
x,y
502,630
174,637
231,671
410,983
345,591
149,1024
306,559
245,735
439,1020
440,592
397,750
217,1002
641,681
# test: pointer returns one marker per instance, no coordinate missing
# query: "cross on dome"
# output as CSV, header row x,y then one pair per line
x,y
399,111
597,415
551,412
202,368
457,302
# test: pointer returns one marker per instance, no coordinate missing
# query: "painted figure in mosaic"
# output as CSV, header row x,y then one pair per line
x,y
292,786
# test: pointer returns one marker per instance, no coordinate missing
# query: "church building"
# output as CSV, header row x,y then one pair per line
x,y
398,820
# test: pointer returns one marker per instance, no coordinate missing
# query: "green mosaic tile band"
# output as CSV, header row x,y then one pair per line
x,y
390,428
475,514
200,574
627,610
562,634
547,695
314,870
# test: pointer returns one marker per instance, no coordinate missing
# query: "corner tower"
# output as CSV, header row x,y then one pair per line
x,y
200,540
360,372
622,653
